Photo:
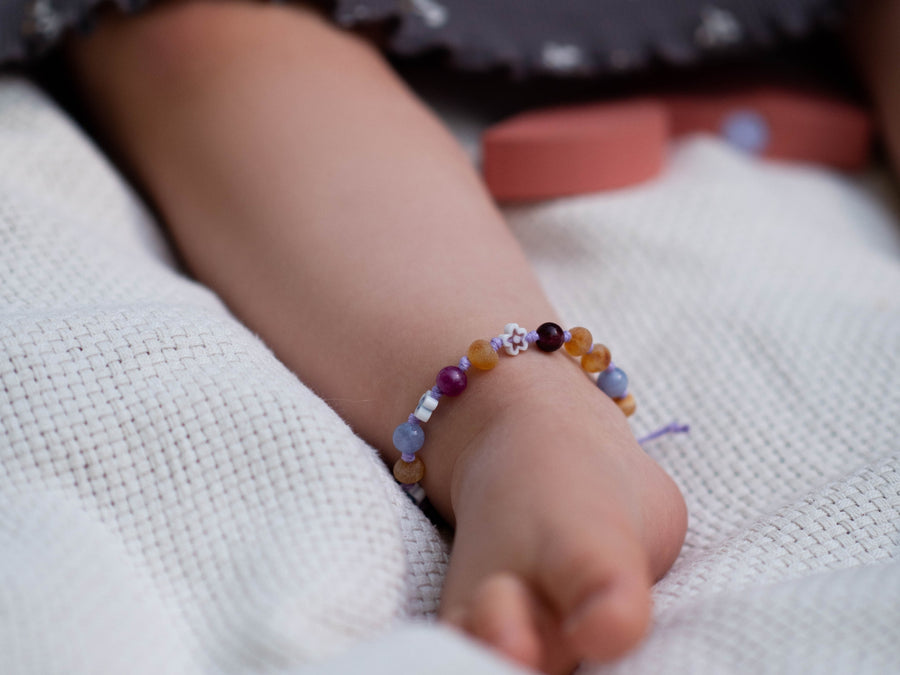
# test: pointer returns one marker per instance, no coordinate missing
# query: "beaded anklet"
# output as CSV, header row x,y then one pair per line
x,y
409,437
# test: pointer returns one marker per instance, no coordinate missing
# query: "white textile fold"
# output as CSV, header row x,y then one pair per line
x,y
174,500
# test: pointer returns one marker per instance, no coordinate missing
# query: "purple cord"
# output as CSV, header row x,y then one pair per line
x,y
496,343
672,428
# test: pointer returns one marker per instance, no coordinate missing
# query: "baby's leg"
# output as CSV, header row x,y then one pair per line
x,y
305,184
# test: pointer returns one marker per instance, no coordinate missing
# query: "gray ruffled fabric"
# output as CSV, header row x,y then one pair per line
x,y
30,28
525,37
589,37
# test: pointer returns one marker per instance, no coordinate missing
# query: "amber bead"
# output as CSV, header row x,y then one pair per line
x,y
409,472
581,341
626,404
481,355
598,359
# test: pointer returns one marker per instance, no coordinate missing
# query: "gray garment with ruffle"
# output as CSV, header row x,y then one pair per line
x,y
525,37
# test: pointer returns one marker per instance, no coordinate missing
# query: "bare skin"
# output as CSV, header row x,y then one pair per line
x,y
303,182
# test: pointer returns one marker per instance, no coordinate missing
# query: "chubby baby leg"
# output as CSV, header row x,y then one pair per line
x,y
303,182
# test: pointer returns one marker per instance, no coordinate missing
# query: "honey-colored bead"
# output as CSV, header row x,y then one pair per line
x,y
409,472
598,359
580,342
482,355
626,404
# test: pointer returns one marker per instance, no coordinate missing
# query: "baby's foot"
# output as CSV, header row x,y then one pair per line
x,y
562,522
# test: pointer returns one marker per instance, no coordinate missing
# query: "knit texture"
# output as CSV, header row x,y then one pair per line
x,y
760,302
152,448
174,500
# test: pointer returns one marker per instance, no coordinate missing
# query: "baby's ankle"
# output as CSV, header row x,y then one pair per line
x,y
526,410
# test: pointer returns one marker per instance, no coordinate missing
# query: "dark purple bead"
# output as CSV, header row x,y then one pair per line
x,y
550,337
451,381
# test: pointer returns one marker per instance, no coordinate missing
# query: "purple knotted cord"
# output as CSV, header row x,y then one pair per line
x,y
672,428
518,342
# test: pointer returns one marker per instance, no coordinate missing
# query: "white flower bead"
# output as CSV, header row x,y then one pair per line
x,y
514,339
426,406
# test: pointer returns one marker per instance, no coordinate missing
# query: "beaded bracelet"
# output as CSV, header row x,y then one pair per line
x,y
409,437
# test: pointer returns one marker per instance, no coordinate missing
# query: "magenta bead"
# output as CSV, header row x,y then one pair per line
x,y
451,381
550,337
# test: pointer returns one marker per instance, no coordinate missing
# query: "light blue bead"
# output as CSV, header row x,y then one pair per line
x,y
409,438
613,382
746,130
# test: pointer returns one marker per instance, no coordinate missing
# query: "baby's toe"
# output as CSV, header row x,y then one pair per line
x,y
601,589
610,621
503,614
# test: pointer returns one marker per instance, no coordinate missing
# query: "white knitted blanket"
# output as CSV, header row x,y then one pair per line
x,y
173,500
